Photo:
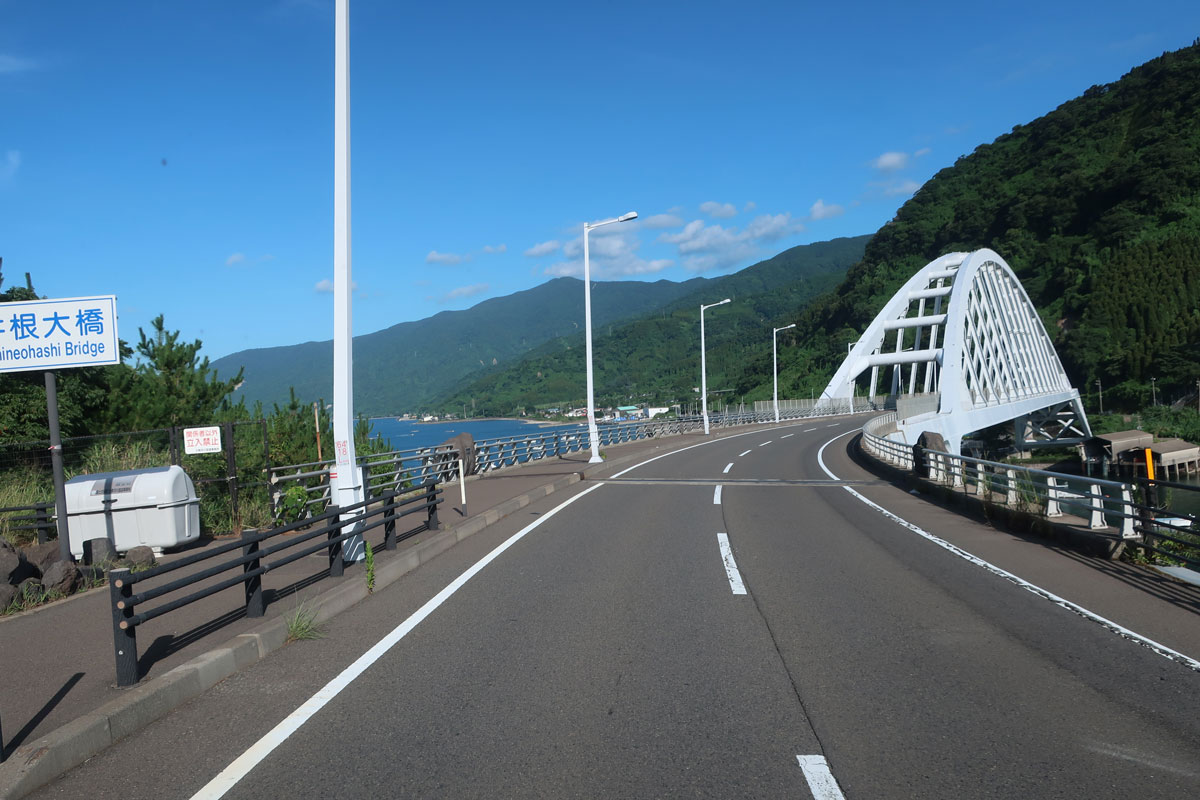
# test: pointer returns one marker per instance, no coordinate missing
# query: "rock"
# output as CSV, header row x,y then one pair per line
x,y
7,593
14,568
140,557
42,555
98,551
63,577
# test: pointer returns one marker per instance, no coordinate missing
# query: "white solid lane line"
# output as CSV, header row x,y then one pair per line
x,y
717,496
767,442
821,782
742,454
248,760
1120,630
786,435
731,570
728,467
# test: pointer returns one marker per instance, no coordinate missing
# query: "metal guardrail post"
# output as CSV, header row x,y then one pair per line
x,y
255,606
1097,512
336,567
389,524
42,522
1053,507
432,523
124,632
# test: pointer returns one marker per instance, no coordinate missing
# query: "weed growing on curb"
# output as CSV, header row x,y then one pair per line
x,y
370,558
302,623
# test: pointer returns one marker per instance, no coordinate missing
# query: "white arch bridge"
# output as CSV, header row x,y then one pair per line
x,y
962,348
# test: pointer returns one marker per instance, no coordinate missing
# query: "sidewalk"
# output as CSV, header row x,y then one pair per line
x,y
62,704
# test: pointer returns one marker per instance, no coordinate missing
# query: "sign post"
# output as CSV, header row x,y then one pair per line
x,y
45,335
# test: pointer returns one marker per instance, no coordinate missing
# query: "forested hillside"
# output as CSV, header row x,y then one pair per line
x,y
1096,206
656,358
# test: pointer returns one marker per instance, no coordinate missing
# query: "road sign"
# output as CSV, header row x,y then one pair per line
x,y
202,440
56,334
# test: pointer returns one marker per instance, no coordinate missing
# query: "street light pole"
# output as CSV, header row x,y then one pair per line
x,y
1153,391
703,366
775,363
1100,390
345,477
593,432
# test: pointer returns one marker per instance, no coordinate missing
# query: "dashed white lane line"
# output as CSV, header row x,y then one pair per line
x,y
786,435
731,570
742,454
728,467
833,425
821,782
767,442
248,760
717,496
1120,630
808,430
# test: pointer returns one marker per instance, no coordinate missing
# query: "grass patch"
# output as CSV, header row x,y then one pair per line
x,y
302,623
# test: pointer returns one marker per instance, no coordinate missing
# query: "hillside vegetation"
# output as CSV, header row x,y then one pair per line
x,y
1096,206
657,358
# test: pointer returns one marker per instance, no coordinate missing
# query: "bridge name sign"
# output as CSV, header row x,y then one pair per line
x,y
54,334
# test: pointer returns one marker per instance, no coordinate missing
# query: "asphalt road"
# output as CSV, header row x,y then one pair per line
x,y
618,649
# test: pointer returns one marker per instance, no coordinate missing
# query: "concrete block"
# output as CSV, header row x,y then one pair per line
x,y
143,704
40,762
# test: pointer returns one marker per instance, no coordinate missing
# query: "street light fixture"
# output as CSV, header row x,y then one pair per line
x,y
775,363
593,432
703,368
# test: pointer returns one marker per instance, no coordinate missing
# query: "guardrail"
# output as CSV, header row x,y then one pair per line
x,y
401,468
39,519
329,529
1134,514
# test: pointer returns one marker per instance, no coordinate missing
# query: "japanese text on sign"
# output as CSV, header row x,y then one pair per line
x,y
53,334
201,440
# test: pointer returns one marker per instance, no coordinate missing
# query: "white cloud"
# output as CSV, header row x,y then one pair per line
x,y
612,253
705,247
464,291
890,161
924,151
543,248
750,206
718,210
495,248
10,64
10,164
660,221
236,258
902,187
325,286
435,257
823,210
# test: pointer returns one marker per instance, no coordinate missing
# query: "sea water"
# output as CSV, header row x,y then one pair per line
x,y
407,434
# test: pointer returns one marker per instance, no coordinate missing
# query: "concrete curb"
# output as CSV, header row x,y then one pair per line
x,y
35,764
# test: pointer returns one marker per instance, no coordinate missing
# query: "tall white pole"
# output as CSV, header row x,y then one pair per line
x,y
703,375
347,483
593,431
775,363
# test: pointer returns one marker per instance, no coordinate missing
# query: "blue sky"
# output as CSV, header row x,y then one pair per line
x,y
180,154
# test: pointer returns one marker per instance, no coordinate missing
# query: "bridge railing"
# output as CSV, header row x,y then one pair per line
x,y
1102,503
1137,513
300,491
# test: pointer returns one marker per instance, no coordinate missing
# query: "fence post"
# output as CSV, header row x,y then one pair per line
x,y
42,514
1053,509
124,632
431,498
335,544
174,437
1127,529
1097,515
231,470
389,524
1010,484
255,607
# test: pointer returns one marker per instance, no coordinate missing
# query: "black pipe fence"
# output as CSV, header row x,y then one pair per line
x,y
1174,535
326,531
37,518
